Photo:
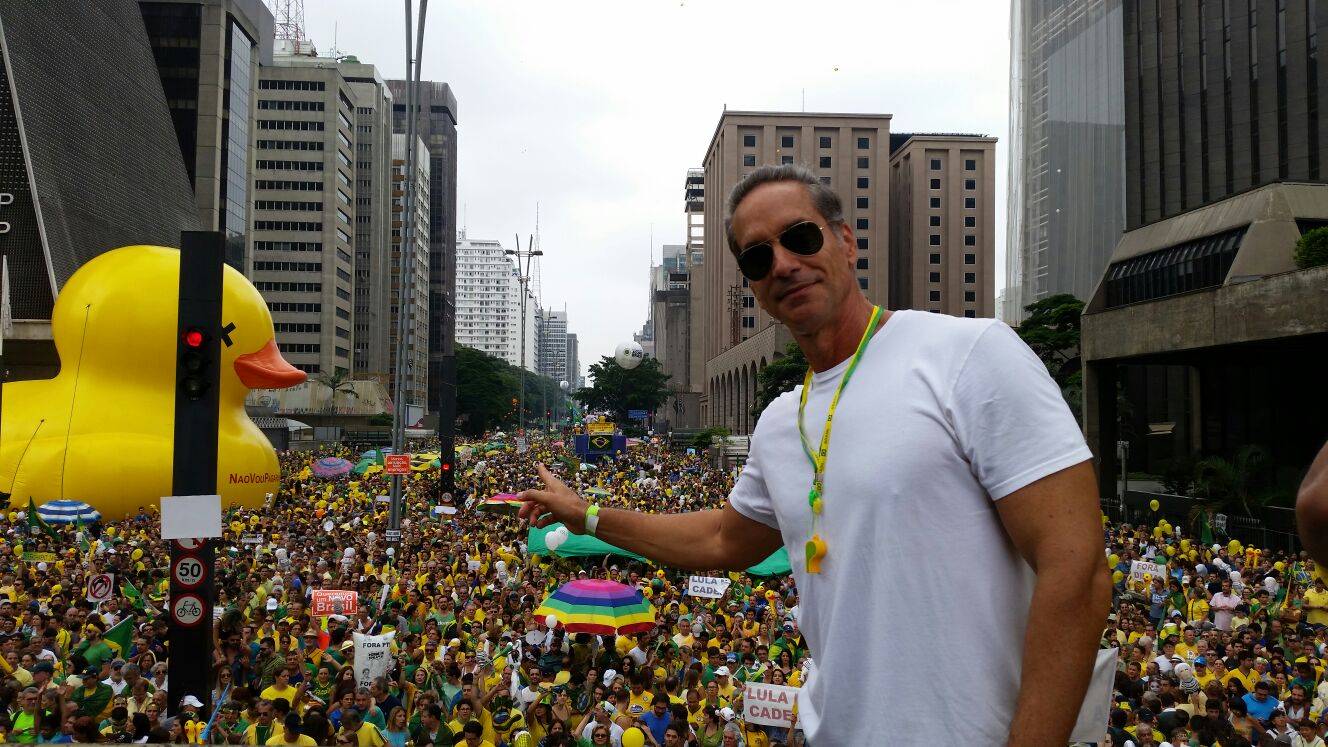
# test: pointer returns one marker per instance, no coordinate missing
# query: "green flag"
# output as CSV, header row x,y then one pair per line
x,y
34,520
134,595
120,637
84,546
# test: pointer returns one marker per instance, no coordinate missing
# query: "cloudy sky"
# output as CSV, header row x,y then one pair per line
x,y
596,109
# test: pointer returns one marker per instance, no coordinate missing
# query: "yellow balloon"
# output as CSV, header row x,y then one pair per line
x,y
633,737
1153,504
116,318
1117,577
1170,551
1113,560
1185,545
1279,566
110,531
137,554
1157,532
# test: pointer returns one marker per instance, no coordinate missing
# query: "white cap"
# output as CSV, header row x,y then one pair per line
x,y
609,676
42,566
722,672
726,713
190,700
271,603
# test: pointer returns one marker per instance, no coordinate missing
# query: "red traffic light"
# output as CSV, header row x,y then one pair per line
x,y
447,466
193,338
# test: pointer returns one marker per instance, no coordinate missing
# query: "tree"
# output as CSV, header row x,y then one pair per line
x,y
1312,248
1052,330
338,381
617,389
485,390
779,377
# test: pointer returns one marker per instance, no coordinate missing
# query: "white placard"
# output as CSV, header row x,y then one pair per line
x,y
1138,568
190,516
708,587
101,587
373,657
768,705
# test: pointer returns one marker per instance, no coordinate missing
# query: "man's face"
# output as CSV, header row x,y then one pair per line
x,y
1260,694
264,713
362,701
804,292
463,711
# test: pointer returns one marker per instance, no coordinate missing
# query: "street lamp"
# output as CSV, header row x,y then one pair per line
x,y
523,279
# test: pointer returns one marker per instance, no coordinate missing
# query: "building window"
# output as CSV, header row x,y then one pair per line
x,y
935,220
970,203
862,283
935,183
749,322
825,142
970,277
970,164
862,243
933,277
935,164
863,182
934,258
862,263
749,302
864,143
864,162
825,162
825,180
749,159
749,141
970,240
935,203
933,295
862,203
971,314
970,184
934,239
786,141
970,296
970,221
786,159
970,259
860,224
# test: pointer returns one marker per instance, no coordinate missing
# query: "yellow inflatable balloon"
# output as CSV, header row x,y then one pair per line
x,y
1117,577
1279,566
137,554
1113,560
633,737
101,430
1153,504
1184,545
1170,551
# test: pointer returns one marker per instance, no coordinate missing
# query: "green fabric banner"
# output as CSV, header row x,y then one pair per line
x,y
580,545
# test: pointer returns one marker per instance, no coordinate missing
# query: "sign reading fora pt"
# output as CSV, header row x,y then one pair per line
x,y
396,464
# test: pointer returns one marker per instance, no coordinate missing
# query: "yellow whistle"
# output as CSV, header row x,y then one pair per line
x,y
815,553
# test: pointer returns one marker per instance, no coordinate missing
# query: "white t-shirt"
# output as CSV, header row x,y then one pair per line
x,y
943,417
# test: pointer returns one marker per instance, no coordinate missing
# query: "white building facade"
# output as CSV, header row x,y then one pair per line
x,y
488,314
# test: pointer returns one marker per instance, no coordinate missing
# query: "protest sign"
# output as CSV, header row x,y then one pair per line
x,y
768,705
335,602
710,587
373,657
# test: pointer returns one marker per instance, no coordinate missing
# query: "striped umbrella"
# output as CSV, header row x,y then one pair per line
x,y
599,607
501,503
332,467
67,512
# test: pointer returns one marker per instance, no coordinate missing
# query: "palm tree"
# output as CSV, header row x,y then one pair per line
x,y
338,381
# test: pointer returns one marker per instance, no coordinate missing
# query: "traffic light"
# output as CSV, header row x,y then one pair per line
x,y
446,479
194,363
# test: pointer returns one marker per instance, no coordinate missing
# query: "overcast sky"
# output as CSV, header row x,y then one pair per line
x,y
595,110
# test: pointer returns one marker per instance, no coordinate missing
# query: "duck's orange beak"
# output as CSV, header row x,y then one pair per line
x,y
266,369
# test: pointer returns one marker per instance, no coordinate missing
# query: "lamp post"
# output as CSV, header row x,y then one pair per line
x,y
523,278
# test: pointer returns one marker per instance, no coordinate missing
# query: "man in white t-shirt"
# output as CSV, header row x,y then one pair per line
x,y
956,486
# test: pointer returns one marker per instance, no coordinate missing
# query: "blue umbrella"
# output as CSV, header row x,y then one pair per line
x,y
67,512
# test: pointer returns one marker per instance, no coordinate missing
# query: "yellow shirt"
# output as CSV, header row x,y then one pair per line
x,y
368,736
272,692
1186,652
639,704
303,740
1319,599
1247,680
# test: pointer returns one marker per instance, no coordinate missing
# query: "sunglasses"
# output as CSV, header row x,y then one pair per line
x,y
804,239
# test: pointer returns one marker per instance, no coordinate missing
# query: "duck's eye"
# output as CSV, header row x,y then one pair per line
x,y
226,333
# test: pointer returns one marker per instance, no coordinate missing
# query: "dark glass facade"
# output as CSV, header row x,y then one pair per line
x,y
235,144
174,31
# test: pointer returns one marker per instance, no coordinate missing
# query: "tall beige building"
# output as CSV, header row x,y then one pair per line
x,y
415,398
885,183
942,224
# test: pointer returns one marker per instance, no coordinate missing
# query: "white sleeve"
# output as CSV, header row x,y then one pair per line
x,y
749,496
1012,423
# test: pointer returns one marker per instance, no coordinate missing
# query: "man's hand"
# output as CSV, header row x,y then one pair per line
x,y
555,503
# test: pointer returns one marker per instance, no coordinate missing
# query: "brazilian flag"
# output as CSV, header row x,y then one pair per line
x,y
35,520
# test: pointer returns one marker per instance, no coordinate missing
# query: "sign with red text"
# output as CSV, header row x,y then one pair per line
x,y
335,602
768,705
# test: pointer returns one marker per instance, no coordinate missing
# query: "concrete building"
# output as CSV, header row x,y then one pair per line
x,y
694,213
417,335
111,119
437,126
942,225
208,54
670,307
488,314
553,345
871,170
1066,197
303,185
1201,319
573,377
375,265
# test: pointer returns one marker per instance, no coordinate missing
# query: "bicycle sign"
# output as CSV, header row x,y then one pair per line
x,y
187,610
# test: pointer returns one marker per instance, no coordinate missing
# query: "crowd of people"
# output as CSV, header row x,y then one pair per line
x,y
1223,647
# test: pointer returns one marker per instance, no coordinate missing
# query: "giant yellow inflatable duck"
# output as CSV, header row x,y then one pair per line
x,y
101,430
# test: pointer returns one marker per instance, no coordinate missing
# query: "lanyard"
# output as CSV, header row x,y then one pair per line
x,y
816,547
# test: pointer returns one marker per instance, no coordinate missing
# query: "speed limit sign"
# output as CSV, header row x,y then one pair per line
x,y
188,572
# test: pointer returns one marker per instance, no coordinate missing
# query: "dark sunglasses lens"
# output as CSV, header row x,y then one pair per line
x,y
804,239
756,261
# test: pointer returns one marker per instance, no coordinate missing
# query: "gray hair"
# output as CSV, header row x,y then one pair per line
x,y
733,728
824,199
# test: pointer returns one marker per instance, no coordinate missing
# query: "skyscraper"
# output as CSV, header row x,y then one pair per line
x,y
417,319
488,311
553,345
1067,148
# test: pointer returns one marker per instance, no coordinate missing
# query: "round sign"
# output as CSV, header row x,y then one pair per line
x,y
99,587
189,544
188,572
187,610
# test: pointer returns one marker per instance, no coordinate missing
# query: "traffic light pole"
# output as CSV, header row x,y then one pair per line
x,y
199,337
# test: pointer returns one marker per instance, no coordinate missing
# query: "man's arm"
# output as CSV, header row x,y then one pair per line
x,y
698,540
1054,525
1312,509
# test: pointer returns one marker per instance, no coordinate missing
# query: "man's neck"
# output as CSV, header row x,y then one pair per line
x,y
836,342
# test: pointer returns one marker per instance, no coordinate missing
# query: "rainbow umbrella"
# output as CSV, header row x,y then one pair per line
x,y
599,607
332,467
501,503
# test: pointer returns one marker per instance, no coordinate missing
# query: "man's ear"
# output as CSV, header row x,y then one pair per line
x,y
850,244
